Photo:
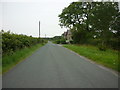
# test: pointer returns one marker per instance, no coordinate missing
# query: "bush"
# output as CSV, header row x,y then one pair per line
x,y
71,42
12,42
57,41
63,41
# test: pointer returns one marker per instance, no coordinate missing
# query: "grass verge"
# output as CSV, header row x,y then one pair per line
x,y
9,61
108,58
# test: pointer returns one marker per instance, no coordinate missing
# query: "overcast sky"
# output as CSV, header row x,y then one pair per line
x,y
22,16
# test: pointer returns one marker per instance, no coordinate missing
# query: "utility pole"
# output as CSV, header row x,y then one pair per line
x,y
39,29
45,35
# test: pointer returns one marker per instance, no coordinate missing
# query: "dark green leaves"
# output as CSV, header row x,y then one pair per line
x,y
89,20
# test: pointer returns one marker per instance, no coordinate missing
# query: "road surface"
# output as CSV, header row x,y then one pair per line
x,y
53,66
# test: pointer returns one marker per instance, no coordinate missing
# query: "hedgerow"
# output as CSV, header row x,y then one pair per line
x,y
12,42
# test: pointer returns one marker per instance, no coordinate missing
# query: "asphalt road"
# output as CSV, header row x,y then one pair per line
x,y
53,66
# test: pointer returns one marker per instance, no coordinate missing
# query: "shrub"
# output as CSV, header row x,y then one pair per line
x,y
12,42
63,41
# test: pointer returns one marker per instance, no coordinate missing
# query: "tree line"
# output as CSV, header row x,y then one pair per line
x,y
96,23
12,42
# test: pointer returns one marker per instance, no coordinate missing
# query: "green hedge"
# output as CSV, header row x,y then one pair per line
x,y
12,42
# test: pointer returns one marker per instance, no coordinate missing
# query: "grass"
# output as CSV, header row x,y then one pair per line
x,y
9,61
108,58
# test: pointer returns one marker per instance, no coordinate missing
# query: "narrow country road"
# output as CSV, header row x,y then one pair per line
x,y
53,66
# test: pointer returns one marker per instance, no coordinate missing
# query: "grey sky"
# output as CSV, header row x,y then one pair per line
x,y
23,17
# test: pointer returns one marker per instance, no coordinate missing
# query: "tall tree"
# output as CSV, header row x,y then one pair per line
x,y
91,19
102,16
75,17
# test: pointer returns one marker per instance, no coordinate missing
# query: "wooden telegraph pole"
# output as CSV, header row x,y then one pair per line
x,y
39,29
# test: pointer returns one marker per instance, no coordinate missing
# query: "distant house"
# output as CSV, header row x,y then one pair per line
x,y
67,36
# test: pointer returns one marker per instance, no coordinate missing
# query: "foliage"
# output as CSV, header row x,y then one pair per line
x,y
56,37
12,42
60,41
57,41
101,20
92,20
